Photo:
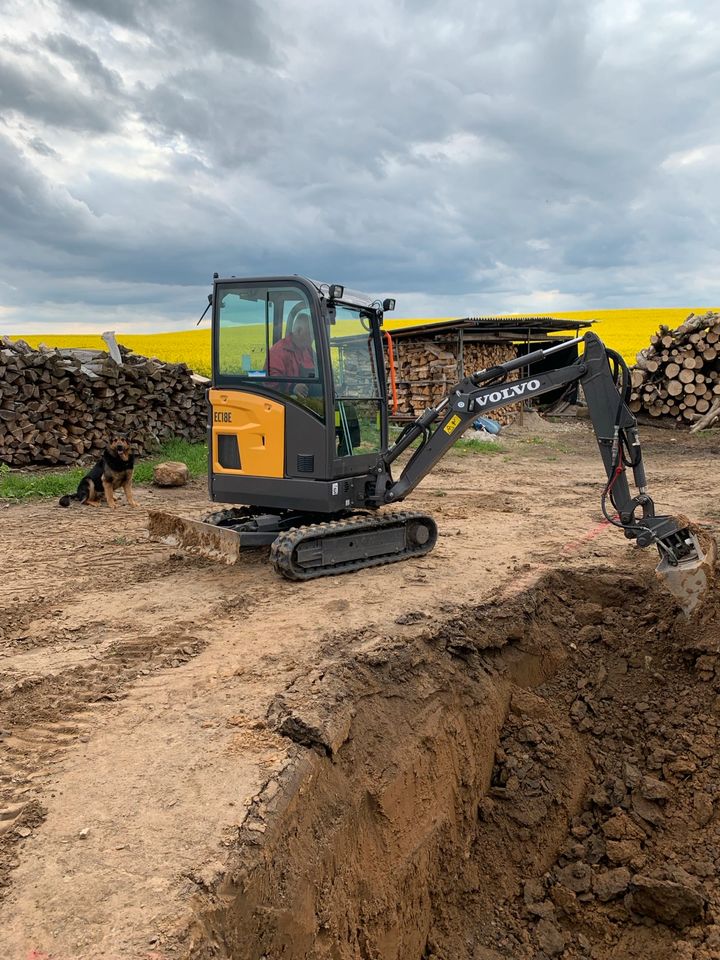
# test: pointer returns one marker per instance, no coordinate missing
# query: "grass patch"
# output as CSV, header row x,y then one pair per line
x,y
465,447
462,446
25,484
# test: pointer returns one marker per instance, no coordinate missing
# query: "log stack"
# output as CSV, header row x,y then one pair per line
x,y
678,375
426,369
59,406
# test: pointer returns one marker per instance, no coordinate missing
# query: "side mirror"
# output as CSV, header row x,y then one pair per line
x,y
210,299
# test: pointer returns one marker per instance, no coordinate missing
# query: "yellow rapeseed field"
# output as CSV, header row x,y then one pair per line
x,y
626,331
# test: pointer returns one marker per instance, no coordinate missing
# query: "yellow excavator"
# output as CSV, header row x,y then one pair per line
x,y
298,438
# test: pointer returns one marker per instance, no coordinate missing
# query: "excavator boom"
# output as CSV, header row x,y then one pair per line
x,y
685,564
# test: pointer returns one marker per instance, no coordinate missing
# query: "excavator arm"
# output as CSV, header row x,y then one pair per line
x,y
606,392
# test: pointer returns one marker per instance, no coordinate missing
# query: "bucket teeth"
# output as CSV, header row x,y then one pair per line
x,y
690,580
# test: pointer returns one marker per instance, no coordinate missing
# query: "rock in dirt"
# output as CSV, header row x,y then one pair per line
x,y
550,938
611,883
576,877
647,810
703,809
171,473
674,904
620,827
653,789
622,851
565,901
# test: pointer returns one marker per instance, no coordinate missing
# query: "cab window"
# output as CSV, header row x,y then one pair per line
x,y
266,334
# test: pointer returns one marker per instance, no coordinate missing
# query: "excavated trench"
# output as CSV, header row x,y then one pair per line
x,y
528,779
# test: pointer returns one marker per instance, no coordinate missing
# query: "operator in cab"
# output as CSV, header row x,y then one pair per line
x,y
293,356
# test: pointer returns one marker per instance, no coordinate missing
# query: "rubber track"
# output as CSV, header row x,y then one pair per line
x,y
283,548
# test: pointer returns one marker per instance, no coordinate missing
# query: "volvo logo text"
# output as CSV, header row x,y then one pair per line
x,y
507,393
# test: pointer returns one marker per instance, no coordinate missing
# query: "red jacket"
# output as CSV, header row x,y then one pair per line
x,y
287,360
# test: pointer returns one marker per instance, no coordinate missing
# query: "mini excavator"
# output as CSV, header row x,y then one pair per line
x,y
299,442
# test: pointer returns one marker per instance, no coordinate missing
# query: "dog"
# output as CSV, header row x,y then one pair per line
x,y
112,471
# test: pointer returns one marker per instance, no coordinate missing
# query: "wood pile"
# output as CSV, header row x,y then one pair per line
x,y
678,375
426,369
58,406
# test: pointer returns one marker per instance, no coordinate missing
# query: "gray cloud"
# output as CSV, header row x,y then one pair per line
x,y
232,26
41,93
490,151
123,12
86,62
39,146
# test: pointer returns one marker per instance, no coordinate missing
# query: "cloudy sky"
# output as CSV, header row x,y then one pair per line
x,y
465,156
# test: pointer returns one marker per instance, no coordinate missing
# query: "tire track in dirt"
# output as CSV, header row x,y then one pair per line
x,y
41,718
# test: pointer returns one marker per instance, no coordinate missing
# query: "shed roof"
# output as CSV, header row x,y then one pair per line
x,y
504,328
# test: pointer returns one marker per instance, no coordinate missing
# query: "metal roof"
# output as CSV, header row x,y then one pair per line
x,y
515,328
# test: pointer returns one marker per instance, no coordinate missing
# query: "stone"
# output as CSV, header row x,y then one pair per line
x,y
631,775
622,851
703,809
674,904
578,710
550,937
648,810
653,789
621,827
533,891
544,910
588,613
611,883
171,473
589,634
565,901
682,768
576,877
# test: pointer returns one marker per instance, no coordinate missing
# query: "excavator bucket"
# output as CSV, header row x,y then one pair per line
x,y
195,537
691,579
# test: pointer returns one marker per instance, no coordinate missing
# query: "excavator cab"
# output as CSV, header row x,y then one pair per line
x,y
298,404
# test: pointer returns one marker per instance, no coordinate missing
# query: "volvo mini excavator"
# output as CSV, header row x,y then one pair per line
x,y
298,436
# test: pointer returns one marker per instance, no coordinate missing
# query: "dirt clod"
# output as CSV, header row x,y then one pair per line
x,y
675,904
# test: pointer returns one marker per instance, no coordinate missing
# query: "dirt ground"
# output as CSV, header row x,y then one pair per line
x,y
136,686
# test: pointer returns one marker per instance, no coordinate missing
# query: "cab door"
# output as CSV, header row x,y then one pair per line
x,y
268,402
358,390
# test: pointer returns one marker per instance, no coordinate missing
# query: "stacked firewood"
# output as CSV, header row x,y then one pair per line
x,y
59,406
678,375
426,369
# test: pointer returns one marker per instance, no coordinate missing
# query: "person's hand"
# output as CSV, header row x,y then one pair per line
x,y
301,390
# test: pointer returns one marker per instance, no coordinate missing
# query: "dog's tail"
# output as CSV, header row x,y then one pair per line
x,y
67,499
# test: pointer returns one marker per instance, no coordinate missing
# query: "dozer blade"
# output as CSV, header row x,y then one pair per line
x,y
691,579
195,537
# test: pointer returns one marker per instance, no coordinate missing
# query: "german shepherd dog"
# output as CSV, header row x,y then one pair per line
x,y
112,471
